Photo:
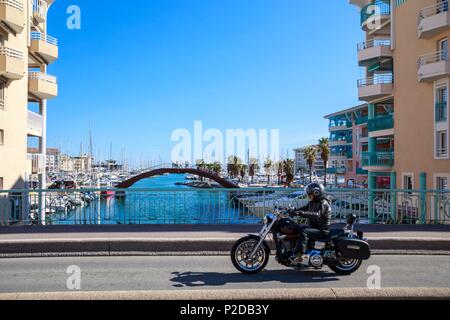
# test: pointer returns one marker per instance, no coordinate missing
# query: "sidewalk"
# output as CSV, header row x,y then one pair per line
x,y
150,239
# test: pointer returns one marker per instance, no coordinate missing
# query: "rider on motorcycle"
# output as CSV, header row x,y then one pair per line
x,y
318,213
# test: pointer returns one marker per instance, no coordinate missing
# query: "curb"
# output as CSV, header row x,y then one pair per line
x,y
110,247
259,294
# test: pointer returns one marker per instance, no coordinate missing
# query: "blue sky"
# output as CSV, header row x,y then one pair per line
x,y
137,70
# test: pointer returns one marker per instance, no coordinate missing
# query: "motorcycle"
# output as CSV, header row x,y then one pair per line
x,y
342,250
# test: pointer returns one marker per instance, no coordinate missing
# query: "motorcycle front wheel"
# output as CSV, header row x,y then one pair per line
x,y
241,251
346,266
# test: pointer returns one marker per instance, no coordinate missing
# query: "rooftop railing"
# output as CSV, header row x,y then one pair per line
x,y
433,10
376,79
17,4
11,53
43,37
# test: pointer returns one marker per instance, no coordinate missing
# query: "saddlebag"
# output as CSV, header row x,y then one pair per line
x,y
353,248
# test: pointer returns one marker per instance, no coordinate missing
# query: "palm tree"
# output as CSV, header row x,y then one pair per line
x,y
242,170
233,166
253,167
324,149
216,167
288,168
201,165
279,170
310,155
268,164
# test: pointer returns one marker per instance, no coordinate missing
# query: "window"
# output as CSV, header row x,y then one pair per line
x,y
408,183
2,137
2,95
441,183
1,183
441,144
443,49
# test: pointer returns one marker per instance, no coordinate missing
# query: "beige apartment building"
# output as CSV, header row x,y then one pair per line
x,y
407,66
25,52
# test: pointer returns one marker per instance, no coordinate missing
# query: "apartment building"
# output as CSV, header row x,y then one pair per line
x,y
302,167
348,141
25,52
405,57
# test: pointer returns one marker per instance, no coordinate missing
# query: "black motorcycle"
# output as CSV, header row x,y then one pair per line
x,y
342,250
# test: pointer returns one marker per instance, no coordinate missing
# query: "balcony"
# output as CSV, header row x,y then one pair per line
x,y
36,163
375,87
44,46
373,50
12,14
441,111
361,172
336,170
34,124
361,121
377,161
433,20
375,15
40,8
381,126
12,64
42,86
433,66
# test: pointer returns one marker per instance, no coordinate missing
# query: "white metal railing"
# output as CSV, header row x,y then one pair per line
x,y
42,77
37,162
34,121
376,79
12,53
433,57
433,10
17,4
43,37
373,43
441,152
40,8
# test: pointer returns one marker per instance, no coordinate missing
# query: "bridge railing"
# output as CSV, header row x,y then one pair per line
x,y
212,206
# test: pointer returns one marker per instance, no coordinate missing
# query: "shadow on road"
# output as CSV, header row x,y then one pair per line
x,y
204,279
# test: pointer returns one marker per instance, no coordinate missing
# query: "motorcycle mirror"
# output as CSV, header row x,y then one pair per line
x,y
276,205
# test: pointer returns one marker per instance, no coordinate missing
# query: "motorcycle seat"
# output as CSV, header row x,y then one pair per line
x,y
334,232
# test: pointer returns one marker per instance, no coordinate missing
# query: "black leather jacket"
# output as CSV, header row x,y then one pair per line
x,y
318,214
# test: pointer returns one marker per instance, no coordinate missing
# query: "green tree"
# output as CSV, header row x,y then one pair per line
x,y
268,165
288,168
310,155
324,149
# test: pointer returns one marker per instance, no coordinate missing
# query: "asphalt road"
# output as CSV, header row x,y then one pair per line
x,y
196,272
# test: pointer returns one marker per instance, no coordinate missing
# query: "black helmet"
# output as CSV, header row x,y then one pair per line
x,y
316,190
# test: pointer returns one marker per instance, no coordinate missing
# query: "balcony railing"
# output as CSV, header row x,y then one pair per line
x,y
11,53
441,111
433,10
381,123
377,8
42,37
433,57
34,122
441,152
376,79
378,159
16,4
361,120
373,43
40,8
361,172
42,77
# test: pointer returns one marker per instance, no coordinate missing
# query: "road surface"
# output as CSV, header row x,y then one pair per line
x,y
197,272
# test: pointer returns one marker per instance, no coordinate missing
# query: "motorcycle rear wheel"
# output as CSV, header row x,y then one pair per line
x,y
346,267
241,250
